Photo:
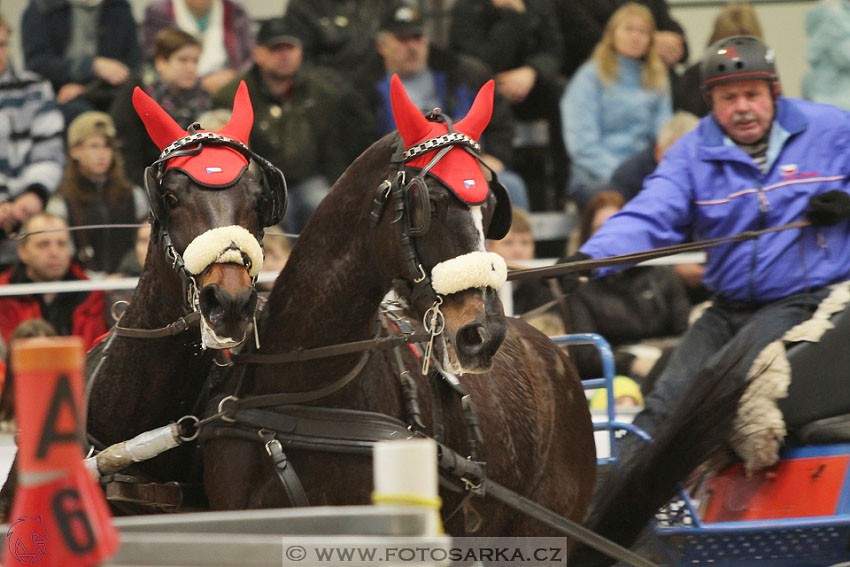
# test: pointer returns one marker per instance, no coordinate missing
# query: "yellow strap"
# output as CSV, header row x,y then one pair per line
x,y
434,503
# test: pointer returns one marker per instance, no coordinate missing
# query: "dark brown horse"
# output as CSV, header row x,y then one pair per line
x,y
536,427
197,280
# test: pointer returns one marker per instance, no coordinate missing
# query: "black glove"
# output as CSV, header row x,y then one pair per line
x,y
571,280
827,209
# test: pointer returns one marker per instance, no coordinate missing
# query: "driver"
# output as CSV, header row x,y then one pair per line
x,y
758,160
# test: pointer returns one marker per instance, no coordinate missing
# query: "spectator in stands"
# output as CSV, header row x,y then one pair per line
x,y
95,190
133,262
31,156
828,53
337,34
582,24
433,78
299,120
174,83
616,102
758,161
627,307
517,248
737,18
520,42
85,49
223,28
25,330
629,175
46,257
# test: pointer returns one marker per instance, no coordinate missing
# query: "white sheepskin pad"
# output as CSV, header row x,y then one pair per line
x,y
476,269
213,247
759,425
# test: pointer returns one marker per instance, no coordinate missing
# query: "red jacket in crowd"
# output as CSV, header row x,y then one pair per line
x,y
81,313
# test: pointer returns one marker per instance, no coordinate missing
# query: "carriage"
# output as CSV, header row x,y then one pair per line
x,y
793,514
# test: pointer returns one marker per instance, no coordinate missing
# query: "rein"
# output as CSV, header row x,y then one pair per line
x,y
592,264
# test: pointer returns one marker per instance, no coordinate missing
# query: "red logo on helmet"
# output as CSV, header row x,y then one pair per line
x,y
730,52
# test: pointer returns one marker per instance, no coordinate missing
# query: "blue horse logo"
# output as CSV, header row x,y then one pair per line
x,y
27,539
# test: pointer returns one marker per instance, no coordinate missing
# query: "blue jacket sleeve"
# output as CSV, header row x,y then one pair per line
x,y
660,215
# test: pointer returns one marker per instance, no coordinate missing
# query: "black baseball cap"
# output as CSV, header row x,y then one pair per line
x,y
278,31
402,20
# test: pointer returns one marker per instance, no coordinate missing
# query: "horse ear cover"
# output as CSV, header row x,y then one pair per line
x,y
216,166
458,170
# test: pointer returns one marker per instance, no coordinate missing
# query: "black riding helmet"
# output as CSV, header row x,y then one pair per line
x,y
737,58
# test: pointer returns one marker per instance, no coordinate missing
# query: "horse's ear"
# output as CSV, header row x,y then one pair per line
x,y
411,123
242,117
479,114
160,125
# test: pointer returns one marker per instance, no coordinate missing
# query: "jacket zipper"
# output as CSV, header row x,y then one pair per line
x,y
764,207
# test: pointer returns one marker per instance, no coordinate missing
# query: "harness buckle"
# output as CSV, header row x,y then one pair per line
x,y
422,274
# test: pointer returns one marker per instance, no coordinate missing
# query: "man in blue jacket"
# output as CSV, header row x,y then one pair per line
x,y
757,161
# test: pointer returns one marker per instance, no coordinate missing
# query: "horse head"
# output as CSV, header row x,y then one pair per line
x,y
208,213
445,204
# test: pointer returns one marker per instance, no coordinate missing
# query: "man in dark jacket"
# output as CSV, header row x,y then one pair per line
x,y
299,125
84,49
46,257
433,78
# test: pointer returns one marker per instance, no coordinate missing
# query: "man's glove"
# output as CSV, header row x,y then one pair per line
x,y
827,209
571,280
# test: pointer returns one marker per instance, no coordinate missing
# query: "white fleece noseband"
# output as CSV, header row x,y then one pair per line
x,y
473,270
213,247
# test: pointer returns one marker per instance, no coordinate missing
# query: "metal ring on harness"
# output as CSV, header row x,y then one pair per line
x,y
112,310
185,422
222,412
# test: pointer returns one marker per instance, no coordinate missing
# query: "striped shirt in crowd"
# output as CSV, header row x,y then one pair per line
x,y
32,155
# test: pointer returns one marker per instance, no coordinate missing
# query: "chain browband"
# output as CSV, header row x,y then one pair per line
x,y
198,137
441,141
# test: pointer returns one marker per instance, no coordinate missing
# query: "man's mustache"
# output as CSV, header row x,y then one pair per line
x,y
739,117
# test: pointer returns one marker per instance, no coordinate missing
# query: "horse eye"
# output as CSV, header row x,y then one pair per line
x,y
171,200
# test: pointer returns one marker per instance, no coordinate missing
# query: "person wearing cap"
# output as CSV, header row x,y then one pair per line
x,y
95,191
31,156
44,256
173,81
757,161
434,78
223,28
299,123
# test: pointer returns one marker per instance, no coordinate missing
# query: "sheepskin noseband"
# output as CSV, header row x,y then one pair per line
x,y
473,270
224,244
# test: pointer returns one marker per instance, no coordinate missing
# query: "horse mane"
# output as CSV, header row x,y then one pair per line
x,y
697,430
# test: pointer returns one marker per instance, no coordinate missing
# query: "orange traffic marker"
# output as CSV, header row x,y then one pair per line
x,y
59,517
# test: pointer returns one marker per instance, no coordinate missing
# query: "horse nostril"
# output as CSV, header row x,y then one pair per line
x,y
212,300
472,338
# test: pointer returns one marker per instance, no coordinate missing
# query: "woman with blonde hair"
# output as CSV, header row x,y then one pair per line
x,y
616,102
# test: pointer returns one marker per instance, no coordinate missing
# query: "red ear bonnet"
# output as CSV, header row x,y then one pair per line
x,y
215,165
458,169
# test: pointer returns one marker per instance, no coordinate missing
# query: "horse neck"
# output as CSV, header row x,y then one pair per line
x,y
158,298
331,287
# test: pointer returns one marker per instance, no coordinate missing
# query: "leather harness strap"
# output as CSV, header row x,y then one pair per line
x,y
587,265
180,325
299,355
356,432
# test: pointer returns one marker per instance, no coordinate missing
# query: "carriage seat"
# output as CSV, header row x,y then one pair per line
x,y
823,431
